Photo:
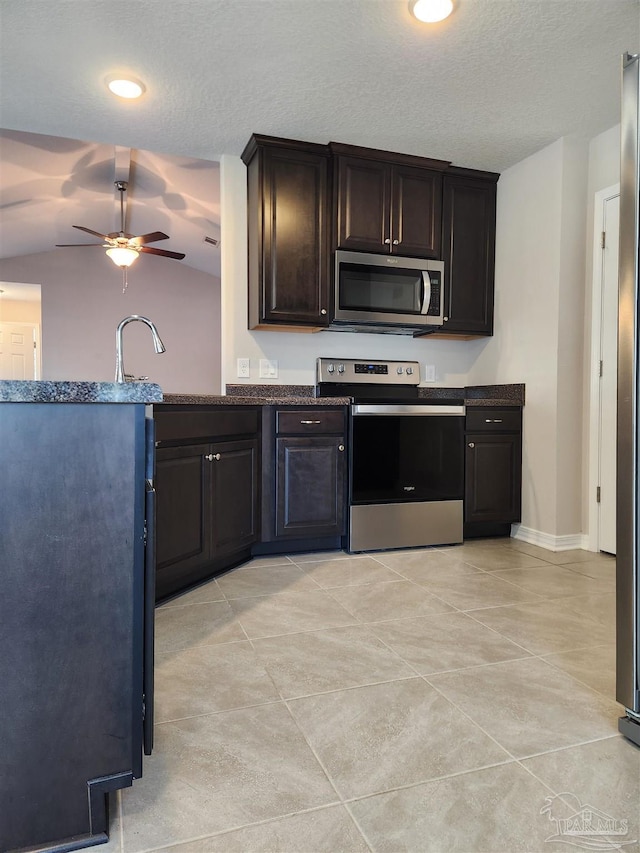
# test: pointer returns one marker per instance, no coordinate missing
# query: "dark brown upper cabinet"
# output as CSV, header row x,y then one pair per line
x,y
468,248
288,216
386,202
305,200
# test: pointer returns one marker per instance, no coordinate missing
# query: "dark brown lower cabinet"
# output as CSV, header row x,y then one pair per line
x,y
183,534
304,479
493,469
207,502
234,492
492,491
310,486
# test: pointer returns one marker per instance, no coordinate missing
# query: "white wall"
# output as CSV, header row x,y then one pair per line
x,y
82,303
19,311
539,322
296,353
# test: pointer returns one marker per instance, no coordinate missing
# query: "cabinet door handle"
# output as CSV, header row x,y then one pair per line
x,y
471,445
341,447
211,457
387,241
323,311
493,420
396,242
310,422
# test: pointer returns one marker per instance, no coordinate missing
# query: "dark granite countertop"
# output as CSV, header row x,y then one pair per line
x,y
480,395
473,395
43,391
278,399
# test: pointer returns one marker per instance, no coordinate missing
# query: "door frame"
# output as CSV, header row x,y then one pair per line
x,y
593,536
37,357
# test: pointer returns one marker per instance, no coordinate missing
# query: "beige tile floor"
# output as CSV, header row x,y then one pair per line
x,y
443,699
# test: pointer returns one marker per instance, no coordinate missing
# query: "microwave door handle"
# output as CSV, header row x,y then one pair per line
x,y
426,292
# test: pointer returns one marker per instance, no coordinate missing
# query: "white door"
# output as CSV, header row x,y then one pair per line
x,y
19,351
609,376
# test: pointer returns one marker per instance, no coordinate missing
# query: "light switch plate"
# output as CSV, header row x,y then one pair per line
x,y
244,368
268,368
429,373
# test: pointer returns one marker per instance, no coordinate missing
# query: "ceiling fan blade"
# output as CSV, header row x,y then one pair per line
x,y
89,231
68,245
148,238
164,252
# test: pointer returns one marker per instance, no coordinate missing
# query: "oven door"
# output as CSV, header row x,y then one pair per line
x,y
407,453
407,476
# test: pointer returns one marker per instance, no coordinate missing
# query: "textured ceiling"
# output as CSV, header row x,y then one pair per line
x,y
494,83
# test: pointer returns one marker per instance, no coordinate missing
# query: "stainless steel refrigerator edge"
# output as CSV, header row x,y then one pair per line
x,y
628,495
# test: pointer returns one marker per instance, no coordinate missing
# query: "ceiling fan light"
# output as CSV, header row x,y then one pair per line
x,y
431,11
125,87
122,257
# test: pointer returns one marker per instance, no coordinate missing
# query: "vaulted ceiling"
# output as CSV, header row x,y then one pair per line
x,y
494,83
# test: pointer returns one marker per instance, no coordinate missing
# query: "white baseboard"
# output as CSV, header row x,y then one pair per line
x,y
548,540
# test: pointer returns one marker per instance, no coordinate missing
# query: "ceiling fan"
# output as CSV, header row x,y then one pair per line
x,y
123,248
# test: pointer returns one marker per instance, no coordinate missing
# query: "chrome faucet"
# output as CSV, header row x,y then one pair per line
x,y
157,343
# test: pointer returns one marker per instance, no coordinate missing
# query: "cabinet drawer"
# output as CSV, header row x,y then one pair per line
x,y
494,420
205,423
305,421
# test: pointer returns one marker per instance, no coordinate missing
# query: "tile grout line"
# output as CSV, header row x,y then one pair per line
x,y
366,625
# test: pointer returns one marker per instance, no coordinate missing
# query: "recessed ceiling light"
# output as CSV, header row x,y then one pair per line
x,y
431,11
125,87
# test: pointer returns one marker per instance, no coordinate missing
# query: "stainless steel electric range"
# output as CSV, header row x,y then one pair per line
x,y
406,459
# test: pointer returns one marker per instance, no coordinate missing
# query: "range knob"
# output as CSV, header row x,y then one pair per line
x,y
400,369
341,368
409,371
330,368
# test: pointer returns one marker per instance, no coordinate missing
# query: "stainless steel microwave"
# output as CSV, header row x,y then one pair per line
x,y
386,293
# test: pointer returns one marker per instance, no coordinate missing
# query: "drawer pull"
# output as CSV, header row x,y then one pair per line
x,y
493,420
310,422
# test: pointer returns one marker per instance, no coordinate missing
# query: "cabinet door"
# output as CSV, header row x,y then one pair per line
x,y
234,496
183,532
364,204
310,485
416,212
468,245
295,277
492,477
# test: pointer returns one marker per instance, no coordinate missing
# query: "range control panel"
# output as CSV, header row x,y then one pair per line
x,y
352,370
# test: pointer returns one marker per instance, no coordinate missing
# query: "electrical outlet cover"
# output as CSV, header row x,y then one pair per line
x,y
430,373
244,368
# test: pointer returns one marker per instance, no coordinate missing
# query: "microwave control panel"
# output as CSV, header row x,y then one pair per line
x,y
436,291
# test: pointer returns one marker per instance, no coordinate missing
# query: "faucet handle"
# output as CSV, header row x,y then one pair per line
x,y
142,379
129,377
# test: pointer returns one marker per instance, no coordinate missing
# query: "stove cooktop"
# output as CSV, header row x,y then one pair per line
x,y
375,382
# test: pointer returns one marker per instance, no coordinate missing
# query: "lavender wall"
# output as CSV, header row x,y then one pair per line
x,y
82,303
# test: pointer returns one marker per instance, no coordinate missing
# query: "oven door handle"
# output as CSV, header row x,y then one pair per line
x,y
402,409
426,292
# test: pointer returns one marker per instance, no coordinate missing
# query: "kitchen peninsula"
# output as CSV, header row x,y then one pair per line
x,y
72,611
